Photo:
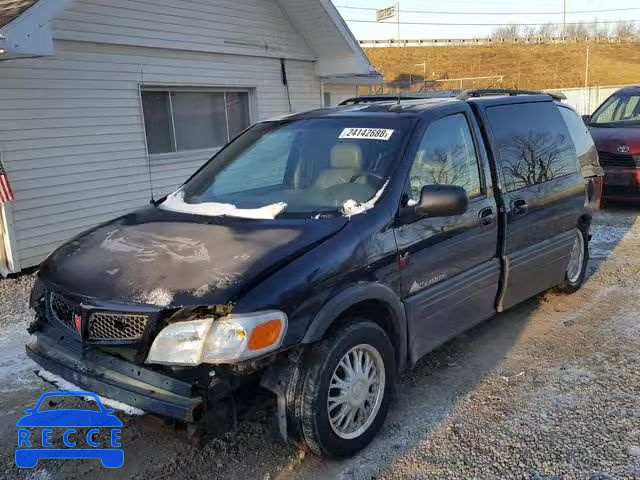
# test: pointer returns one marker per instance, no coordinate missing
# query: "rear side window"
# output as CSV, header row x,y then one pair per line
x,y
585,148
577,130
534,145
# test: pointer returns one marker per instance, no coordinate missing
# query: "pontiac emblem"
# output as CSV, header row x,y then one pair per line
x,y
77,320
623,149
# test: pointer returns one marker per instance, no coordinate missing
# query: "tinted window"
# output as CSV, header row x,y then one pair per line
x,y
533,143
577,130
585,148
446,156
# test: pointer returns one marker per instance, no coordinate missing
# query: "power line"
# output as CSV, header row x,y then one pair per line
x,y
493,24
498,13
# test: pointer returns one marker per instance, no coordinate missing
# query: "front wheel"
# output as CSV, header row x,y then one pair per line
x,y
345,390
577,269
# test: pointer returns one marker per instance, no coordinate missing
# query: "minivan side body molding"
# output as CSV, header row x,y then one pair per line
x,y
443,311
535,268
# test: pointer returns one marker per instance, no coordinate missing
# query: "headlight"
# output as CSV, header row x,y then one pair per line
x,y
229,339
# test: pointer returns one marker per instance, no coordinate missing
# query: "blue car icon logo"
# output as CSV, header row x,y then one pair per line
x,y
34,445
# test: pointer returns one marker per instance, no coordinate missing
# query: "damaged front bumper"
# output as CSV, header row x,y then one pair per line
x,y
117,379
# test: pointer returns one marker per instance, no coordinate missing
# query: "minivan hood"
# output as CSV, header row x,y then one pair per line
x,y
170,259
608,139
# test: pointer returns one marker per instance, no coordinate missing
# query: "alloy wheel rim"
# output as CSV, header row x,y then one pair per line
x,y
356,389
576,259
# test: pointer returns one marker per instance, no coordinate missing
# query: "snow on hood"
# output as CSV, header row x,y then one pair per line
x,y
175,203
351,207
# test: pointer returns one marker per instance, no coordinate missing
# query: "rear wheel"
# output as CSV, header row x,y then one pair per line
x,y
345,390
578,260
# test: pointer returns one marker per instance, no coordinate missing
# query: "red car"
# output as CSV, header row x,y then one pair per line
x,y
615,128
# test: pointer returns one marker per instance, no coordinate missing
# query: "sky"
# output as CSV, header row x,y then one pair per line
x,y
474,12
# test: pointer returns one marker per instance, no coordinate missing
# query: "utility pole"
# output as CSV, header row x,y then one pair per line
x,y
564,21
424,73
398,18
586,70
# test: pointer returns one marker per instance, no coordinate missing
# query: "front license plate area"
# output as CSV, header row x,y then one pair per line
x,y
621,179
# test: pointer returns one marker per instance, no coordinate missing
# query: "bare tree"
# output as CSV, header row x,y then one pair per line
x,y
536,158
625,29
510,32
549,30
443,166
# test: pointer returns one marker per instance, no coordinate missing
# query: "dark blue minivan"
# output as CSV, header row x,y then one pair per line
x,y
319,255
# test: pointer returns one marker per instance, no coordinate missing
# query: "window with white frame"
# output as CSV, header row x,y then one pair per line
x,y
182,120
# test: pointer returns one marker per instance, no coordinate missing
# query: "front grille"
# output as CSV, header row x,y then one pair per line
x,y
116,326
616,160
62,310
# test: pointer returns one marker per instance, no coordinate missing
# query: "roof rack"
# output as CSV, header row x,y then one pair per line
x,y
467,94
374,98
403,96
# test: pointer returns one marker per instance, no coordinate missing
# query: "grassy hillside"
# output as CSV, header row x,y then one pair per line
x,y
523,66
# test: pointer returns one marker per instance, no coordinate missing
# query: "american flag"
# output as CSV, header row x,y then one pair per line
x,y
6,194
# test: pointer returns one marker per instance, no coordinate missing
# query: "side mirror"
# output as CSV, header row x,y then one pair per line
x,y
586,119
442,201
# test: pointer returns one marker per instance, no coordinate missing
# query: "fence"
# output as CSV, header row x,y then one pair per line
x,y
586,100
534,40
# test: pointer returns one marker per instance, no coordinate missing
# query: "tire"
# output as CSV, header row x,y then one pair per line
x,y
576,272
326,361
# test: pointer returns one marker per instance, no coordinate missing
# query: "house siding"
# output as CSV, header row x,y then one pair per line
x,y
249,27
71,126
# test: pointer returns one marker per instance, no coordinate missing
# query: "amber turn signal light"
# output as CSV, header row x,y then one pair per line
x,y
265,334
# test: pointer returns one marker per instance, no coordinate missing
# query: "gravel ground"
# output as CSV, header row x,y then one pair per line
x,y
548,390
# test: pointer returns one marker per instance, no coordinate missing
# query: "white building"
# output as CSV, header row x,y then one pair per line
x,y
82,81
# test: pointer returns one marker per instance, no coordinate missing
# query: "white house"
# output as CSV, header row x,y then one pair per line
x,y
104,102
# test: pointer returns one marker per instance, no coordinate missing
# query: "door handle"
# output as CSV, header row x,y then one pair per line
x,y
487,216
519,207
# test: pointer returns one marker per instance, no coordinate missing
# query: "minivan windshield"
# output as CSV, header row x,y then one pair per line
x,y
618,111
309,166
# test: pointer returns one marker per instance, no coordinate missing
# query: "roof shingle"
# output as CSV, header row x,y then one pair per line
x,y
11,9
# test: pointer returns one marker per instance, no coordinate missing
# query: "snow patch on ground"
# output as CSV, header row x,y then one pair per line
x,y
64,385
16,369
613,233
39,475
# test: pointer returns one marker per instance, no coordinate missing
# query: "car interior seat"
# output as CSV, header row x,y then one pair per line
x,y
346,162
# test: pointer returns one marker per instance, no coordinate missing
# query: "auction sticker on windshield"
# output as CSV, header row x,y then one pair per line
x,y
367,133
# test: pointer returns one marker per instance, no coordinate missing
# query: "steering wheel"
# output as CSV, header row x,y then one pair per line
x,y
366,174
